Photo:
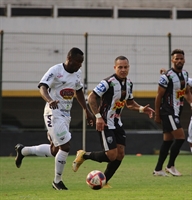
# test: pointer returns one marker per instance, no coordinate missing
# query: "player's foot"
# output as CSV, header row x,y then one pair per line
x,y
59,186
107,186
19,157
160,173
173,171
78,160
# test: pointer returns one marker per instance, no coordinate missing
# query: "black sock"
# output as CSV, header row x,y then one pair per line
x,y
174,151
163,154
111,169
98,156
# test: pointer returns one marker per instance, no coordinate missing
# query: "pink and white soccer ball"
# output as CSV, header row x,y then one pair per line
x,y
96,179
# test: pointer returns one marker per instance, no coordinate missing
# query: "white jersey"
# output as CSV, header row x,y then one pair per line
x,y
190,82
62,86
189,139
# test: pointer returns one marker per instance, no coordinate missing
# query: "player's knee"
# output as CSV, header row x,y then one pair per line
x,y
112,155
120,156
54,150
65,147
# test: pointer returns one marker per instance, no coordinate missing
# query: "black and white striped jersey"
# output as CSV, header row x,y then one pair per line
x,y
113,93
173,99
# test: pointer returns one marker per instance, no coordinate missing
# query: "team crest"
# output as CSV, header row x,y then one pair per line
x,y
177,120
109,140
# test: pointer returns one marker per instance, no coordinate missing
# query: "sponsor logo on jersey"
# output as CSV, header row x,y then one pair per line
x,y
180,93
111,79
59,75
101,87
180,103
50,76
119,105
112,84
67,93
162,81
115,115
61,134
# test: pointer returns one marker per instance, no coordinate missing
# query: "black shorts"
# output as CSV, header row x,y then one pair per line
x,y
111,137
170,123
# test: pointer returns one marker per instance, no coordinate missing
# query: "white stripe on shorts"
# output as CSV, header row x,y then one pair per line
x,y
172,122
104,141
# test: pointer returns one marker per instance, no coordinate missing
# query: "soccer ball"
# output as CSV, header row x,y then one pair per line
x,y
96,179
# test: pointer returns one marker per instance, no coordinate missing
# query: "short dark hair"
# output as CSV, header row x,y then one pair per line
x,y
74,52
121,58
177,51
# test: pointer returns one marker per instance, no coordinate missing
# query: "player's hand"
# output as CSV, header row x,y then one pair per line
x,y
157,119
149,111
53,104
100,124
90,117
162,71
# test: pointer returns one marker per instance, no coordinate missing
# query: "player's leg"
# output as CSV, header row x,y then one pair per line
x,y
179,136
38,150
120,138
108,154
170,125
189,139
163,153
114,165
60,161
60,136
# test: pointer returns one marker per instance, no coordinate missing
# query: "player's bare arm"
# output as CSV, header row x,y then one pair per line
x,y
82,102
93,103
158,99
53,104
133,105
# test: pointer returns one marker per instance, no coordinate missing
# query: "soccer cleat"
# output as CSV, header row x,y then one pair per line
x,y
160,173
78,160
107,186
19,157
59,186
173,171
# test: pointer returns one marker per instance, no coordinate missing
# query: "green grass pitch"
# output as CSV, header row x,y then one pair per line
x,y
132,181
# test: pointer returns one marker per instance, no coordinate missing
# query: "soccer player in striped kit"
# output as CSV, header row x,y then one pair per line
x,y
173,87
113,94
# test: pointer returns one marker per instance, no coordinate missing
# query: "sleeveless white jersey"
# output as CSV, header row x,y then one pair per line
x,y
62,86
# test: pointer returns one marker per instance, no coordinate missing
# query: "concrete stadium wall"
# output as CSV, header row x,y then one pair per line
x,y
135,143
105,3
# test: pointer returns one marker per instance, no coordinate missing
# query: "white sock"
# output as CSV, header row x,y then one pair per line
x,y
60,161
191,149
40,150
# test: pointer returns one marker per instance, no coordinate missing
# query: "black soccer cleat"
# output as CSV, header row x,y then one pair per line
x,y
59,186
19,157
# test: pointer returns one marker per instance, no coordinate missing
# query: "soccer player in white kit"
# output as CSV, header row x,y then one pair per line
x,y
189,139
58,87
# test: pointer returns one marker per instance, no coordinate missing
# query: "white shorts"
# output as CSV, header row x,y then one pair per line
x,y
58,129
189,139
